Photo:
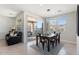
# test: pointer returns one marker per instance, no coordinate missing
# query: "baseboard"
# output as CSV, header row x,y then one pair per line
x,y
68,41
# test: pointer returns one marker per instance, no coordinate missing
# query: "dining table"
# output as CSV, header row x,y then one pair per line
x,y
48,37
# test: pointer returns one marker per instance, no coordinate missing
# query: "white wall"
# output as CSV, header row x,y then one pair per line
x,y
77,45
70,28
5,25
20,26
23,25
69,34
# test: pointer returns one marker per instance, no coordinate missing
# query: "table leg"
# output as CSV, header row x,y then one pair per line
x,y
59,40
36,41
48,45
56,42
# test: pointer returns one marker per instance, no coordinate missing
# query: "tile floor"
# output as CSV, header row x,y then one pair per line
x,y
21,49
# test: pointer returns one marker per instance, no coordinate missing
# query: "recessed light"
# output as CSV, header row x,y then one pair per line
x,y
59,10
48,10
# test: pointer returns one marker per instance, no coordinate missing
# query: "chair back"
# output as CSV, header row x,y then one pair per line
x,y
20,35
43,38
58,35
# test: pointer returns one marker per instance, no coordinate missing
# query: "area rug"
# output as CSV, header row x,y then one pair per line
x,y
53,51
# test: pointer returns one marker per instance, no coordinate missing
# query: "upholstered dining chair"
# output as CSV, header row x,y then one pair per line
x,y
52,41
43,41
57,40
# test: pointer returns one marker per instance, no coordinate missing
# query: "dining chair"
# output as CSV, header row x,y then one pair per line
x,y
57,40
52,41
43,41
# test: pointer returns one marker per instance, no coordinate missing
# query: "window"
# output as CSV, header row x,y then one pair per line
x,y
39,24
61,20
57,23
39,28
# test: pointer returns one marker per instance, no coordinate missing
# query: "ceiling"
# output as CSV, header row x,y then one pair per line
x,y
11,10
5,11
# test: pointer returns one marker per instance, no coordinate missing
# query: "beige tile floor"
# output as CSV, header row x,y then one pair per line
x,y
17,49
21,49
68,49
